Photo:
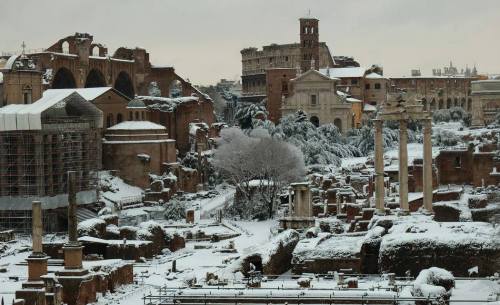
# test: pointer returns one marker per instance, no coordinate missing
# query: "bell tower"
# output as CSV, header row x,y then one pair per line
x,y
309,44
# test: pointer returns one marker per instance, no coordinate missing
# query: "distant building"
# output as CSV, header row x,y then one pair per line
x,y
299,56
316,94
485,101
445,88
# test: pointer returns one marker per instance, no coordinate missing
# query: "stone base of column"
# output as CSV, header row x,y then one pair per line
x,y
37,266
403,212
73,256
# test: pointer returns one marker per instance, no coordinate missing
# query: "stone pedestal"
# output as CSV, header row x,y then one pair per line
x,y
379,167
73,256
427,172
37,267
403,166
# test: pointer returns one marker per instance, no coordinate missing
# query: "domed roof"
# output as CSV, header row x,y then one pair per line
x,y
136,103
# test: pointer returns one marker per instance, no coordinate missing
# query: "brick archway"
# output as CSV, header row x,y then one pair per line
x,y
124,84
63,79
95,78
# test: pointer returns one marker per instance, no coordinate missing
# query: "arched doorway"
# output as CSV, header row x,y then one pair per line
x,y
338,122
124,84
441,104
119,118
95,78
63,79
314,120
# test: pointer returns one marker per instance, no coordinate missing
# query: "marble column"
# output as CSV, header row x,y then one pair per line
x,y
379,167
36,224
427,172
403,165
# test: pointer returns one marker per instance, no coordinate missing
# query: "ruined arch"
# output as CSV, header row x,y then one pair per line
x,y
124,84
65,47
175,88
338,122
95,50
63,79
314,120
95,78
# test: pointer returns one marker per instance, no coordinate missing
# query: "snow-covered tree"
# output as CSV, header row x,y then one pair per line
x,y
175,210
154,89
246,114
257,160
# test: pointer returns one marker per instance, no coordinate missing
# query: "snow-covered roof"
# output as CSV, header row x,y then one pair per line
x,y
28,117
374,75
369,108
343,72
10,62
136,103
353,100
136,125
88,94
166,103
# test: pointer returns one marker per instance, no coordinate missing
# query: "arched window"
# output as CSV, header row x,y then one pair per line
x,y
377,86
95,51
119,118
65,47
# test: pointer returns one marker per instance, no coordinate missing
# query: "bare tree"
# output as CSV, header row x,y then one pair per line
x,y
245,159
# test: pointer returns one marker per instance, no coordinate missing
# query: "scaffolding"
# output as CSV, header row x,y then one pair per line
x,y
34,163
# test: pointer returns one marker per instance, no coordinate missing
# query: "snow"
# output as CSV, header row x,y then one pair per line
x,y
374,75
115,190
426,282
421,229
137,125
1,78
343,72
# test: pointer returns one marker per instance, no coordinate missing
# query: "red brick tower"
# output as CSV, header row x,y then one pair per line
x,y
309,43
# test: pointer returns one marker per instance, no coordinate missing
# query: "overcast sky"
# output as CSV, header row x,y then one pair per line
x,y
202,39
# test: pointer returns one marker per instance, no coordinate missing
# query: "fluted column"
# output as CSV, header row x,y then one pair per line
x,y
427,172
403,165
379,167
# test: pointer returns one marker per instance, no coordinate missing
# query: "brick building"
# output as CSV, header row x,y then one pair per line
x,y
76,61
39,144
136,149
442,89
468,166
177,113
297,56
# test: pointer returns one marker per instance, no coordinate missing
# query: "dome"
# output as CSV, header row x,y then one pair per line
x,y
136,103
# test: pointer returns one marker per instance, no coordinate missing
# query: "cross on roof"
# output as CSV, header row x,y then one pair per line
x,y
23,45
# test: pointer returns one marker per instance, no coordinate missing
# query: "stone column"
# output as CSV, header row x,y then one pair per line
x,y
37,261
36,224
72,220
290,202
73,254
403,165
427,172
379,167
